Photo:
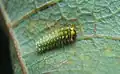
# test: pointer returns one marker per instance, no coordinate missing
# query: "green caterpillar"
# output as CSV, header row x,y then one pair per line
x,y
58,38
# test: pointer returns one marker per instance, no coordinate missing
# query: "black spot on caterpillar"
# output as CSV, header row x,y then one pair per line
x,y
58,38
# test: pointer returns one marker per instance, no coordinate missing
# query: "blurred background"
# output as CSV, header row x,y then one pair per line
x,y
5,65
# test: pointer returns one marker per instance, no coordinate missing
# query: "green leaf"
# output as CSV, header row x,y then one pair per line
x,y
96,50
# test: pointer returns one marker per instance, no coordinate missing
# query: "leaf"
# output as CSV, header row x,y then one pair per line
x,y
95,52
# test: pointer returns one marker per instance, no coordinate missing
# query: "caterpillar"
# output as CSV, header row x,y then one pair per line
x,y
58,38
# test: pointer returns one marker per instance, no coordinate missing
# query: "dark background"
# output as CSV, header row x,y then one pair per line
x,y
5,60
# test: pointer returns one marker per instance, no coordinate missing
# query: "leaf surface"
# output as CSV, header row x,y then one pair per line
x,y
95,56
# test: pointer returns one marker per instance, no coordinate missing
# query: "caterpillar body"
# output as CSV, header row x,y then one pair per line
x,y
58,38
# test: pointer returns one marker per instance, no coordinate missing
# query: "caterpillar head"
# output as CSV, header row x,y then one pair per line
x,y
73,33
